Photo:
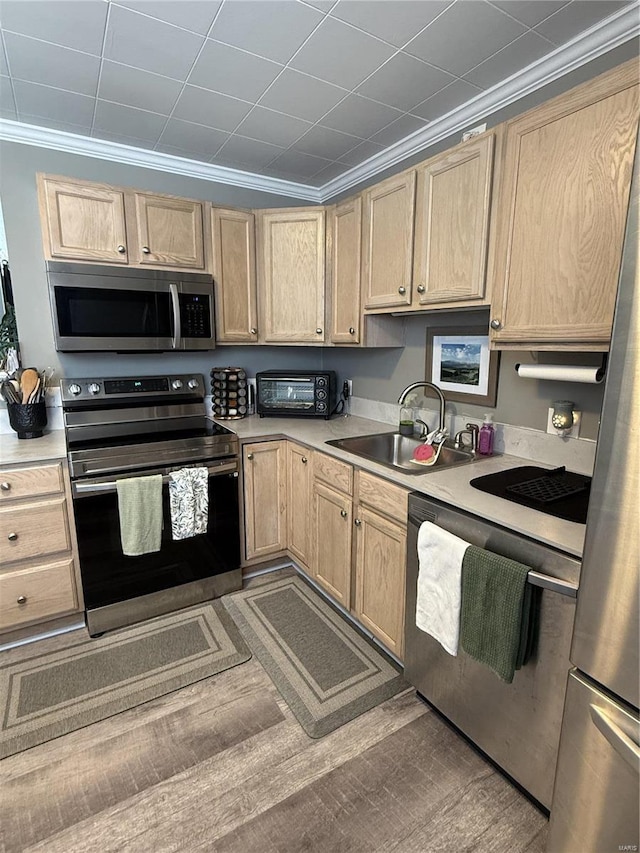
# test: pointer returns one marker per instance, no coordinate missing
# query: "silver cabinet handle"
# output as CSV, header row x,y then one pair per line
x,y
421,288
304,460
12,537
402,290
146,250
249,456
253,331
344,513
21,599
352,331
619,740
318,331
357,522
496,324
122,249
6,487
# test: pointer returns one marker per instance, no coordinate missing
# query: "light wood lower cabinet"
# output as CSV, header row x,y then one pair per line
x,y
299,489
39,578
332,534
264,466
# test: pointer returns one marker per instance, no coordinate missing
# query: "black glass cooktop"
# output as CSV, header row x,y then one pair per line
x,y
556,491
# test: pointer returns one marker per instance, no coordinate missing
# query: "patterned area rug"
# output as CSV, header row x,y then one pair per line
x,y
48,695
326,671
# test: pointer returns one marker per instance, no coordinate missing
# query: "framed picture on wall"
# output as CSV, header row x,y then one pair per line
x,y
460,363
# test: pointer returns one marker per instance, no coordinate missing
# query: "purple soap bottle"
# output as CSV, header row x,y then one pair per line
x,y
486,435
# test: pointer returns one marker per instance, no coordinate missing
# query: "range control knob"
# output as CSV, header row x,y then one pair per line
x,y
176,384
94,388
192,383
75,389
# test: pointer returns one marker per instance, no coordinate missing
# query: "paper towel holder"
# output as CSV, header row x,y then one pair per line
x,y
555,372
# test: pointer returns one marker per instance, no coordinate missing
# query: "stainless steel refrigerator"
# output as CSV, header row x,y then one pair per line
x,y
595,800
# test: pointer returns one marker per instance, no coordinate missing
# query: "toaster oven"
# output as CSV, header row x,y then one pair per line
x,y
297,393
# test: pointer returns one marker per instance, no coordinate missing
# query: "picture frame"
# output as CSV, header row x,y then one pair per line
x,y
460,363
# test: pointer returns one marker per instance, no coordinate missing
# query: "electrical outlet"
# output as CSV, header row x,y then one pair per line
x,y
574,432
348,387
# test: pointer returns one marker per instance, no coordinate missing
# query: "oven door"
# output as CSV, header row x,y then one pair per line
x,y
121,590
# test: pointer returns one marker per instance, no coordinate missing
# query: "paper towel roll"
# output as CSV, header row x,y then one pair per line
x,y
561,372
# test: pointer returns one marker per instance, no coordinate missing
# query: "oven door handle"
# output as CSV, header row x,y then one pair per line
x,y
88,488
177,327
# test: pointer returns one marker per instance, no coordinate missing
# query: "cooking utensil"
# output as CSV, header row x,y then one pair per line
x,y
34,397
28,382
10,394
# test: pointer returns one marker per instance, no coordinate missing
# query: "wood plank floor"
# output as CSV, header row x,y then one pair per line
x,y
223,765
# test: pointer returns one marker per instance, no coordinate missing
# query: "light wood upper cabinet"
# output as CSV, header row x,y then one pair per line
x,y
299,488
81,221
234,272
387,242
169,231
264,466
453,205
86,221
291,251
564,199
345,227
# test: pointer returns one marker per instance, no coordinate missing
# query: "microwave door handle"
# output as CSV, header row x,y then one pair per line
x,y
177,330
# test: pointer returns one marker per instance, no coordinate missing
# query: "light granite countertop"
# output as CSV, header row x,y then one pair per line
x,y
450,485
31,451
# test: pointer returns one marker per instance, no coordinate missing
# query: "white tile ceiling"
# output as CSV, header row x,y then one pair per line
x,y
302,90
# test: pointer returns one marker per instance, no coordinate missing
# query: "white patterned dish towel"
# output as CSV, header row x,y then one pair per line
x,y
189,502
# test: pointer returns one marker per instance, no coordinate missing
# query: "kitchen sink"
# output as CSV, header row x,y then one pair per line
x,y
396,451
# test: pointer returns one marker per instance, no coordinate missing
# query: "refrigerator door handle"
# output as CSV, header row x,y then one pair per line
x,y
619,740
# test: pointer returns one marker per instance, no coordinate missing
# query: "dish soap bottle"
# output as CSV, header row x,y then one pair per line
x,y
406,420
486,435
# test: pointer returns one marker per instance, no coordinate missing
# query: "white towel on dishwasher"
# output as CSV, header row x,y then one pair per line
x,y
189,502
439,592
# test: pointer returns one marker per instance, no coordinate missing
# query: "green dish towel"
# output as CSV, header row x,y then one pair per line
x,y
140,509
497,616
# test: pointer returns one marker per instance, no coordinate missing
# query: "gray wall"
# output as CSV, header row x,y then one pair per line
x,y
377,374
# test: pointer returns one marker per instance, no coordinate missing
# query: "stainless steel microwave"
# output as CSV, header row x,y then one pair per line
x,y
98,308
296,392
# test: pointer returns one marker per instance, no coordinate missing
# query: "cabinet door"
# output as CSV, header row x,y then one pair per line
x,y
346,230
82,221
564,198
452,225
169,231
332,515
292,275
380,577
265,497
299,489
234,259
387,242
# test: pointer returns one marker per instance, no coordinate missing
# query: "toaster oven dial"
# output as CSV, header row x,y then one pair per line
x,y
321,381
176,384
321,394
321,407
94,388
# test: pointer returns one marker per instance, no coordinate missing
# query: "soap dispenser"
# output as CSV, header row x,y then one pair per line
x,y
407,420
486,436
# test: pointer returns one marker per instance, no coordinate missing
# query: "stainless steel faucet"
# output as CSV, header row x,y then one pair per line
x,y
438,392
472,431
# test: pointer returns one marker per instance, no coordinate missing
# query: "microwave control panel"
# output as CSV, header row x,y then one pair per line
x,y
195,315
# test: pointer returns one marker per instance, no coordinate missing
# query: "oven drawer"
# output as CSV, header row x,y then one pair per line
x,y
36,593
31,482
33,530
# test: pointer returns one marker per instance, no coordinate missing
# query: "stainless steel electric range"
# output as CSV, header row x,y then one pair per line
x,y
119,427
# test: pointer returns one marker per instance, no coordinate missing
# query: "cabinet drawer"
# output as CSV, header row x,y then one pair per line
x,y
33,530
385,497
30,482
30,595
337,474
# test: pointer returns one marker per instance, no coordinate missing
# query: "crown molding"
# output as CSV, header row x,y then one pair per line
x,y
619,28
598,40
71,143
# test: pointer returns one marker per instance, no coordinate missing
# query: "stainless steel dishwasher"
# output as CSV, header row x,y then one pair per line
x,y
516,725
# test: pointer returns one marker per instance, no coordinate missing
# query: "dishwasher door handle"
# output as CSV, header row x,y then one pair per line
x,y
567,588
